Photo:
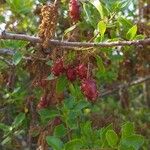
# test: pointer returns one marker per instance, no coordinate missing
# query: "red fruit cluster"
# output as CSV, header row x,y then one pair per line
x,y
74,10
82,71
58,67
71,74
42,83
88,86
43,103
89,89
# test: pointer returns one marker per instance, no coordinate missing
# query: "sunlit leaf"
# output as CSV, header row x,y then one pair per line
x,y
132,32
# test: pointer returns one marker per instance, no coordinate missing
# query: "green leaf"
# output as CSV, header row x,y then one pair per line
x,y
60,130
102,134
88,14
125,21
127,129
49,63
101,28
140,37
100,64
72,89
74,144
61,84
18,120
123,147
54,142
6,140
70,28
135,141
98,6
112,138
2,19
86,129
17,58
132,33
19,6
4,127
46,114
51,77
81,105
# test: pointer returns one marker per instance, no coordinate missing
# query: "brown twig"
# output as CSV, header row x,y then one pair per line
x,y
4,51
127,85
6,36
11,52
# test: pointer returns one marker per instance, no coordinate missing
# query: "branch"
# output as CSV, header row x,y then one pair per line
x,y
4,51
127,85
33,39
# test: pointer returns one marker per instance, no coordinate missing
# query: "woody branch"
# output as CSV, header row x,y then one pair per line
x,y
11,36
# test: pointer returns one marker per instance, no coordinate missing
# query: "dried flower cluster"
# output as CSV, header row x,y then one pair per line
x,y
47,27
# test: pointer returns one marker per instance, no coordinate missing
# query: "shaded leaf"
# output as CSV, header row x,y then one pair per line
x,y
17,58
98,6
61,84
74,144
60,130
135,141
47,114
54,142
4,127
18,120
100,64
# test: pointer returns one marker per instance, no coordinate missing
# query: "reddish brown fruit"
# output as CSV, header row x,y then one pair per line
x,y
71,74
42,103
74,10
57,121
127,63
82,71
89,89
58,67
43,83
107,62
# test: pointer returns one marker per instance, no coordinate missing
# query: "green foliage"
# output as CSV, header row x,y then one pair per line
x,y
101,21
112,138
132,32
54,142
12,130
127,129
47,115
100,65
61,84
20,7
101,29
17,58
73,144
60,131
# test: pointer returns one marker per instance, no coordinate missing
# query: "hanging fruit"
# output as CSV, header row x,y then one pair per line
x,y
74,10
58,67
89,89
82,71
71,73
